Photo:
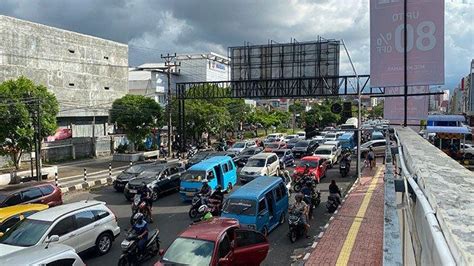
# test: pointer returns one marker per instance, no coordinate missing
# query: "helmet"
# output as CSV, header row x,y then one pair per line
x,y
203,209
138,217
204,181
299,197
219,188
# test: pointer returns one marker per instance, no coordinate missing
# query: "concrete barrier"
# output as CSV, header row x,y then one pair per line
x,y
6,179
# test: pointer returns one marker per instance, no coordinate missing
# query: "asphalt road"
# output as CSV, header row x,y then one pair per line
x,y
171,217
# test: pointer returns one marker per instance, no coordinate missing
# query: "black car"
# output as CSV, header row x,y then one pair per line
x,y
198,157
292,142
129,173
161,178
304,147
244,156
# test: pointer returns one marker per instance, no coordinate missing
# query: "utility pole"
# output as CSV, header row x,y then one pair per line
x,y
170,63
37,138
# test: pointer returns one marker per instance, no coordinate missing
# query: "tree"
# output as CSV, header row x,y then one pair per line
x,y
19,99
321,116
137,115
377,111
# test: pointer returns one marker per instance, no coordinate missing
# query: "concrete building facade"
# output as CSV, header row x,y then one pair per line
x,y
85,73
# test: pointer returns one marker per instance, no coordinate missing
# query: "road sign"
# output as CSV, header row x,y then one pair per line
x,y
425,42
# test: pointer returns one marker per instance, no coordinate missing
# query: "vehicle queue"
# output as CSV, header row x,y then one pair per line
x,y
257,207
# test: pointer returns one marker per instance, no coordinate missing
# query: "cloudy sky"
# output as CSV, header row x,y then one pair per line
x,y
151,27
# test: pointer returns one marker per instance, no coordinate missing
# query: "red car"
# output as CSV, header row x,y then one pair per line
x,y
274,146
219,241
31,192
317,167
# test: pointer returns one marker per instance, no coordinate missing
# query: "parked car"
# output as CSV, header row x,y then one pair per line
x,y
216,242
319,139
49,254
317,167
337,144
326,130
286,158
378,147
260,205
80,225
290,137
330,136
274,146
304,147
161,179
128,174
241,145
301,134
328,152
31,192
292,142
468,150
243,157
60,134
276,136
9,216
260,165
219,170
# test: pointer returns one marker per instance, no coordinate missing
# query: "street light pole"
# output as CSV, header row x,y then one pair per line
x,y
169,64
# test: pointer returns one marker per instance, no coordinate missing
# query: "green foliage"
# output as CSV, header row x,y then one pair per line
x,y
377,111
137,115
321,116
16,105
122,148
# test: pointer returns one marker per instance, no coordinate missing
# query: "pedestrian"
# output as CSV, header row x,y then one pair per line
x,y
371,158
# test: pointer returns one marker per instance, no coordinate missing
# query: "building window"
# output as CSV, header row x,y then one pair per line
x,y
71,84
106,88
71,51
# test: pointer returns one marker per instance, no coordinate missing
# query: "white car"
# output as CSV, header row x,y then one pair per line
x,y
262,164
290,137
337,144
468,150
328,152
276,136
301,134
44,254
80,225
239,146
330,136
319,139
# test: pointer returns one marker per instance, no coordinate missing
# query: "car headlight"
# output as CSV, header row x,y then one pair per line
x,y
181,188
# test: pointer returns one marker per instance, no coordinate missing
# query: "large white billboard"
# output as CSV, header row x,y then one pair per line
x,y
425,42
417,106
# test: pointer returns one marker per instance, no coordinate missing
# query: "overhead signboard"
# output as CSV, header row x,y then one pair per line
x,y
425,42
417,106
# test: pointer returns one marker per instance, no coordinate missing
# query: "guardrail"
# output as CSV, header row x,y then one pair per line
x,y
428,242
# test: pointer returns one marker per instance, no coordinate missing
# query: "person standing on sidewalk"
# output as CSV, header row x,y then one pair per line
x,y
371,158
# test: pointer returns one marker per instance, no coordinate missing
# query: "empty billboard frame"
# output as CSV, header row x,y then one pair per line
x,y
289,61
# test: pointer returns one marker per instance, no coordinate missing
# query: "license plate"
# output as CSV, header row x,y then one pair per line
x,y
119,185
133,191
190,194
343,166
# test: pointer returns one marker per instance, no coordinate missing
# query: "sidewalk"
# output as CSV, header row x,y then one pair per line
x,y
355,234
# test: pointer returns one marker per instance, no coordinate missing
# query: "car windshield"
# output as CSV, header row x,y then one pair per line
x,y
272,145
270,139
196,176
323,152
294,140
248,152
239,207
310,163
147,174
290,137
25,233
239,145
135,169
302,144
188,251
256,163
199,156
280,153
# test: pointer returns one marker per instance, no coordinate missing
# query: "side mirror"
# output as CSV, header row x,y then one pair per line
x,y
161,252
53,238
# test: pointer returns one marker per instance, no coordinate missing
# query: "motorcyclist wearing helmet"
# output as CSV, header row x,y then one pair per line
x,y
145,193
141,229
307,192
301,207
335,191
206,190
218,194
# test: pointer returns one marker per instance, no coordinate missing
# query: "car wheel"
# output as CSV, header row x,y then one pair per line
x,y
103,243
293,236
265,231
154,195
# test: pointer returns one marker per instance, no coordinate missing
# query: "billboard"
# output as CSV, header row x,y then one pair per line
x,y
425,42
285,60
417,105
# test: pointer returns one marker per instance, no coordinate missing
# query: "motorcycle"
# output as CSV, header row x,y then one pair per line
x,y
192,150
131,255
332,203
313,201
139,205
300,180
345,165
197,201
296,225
